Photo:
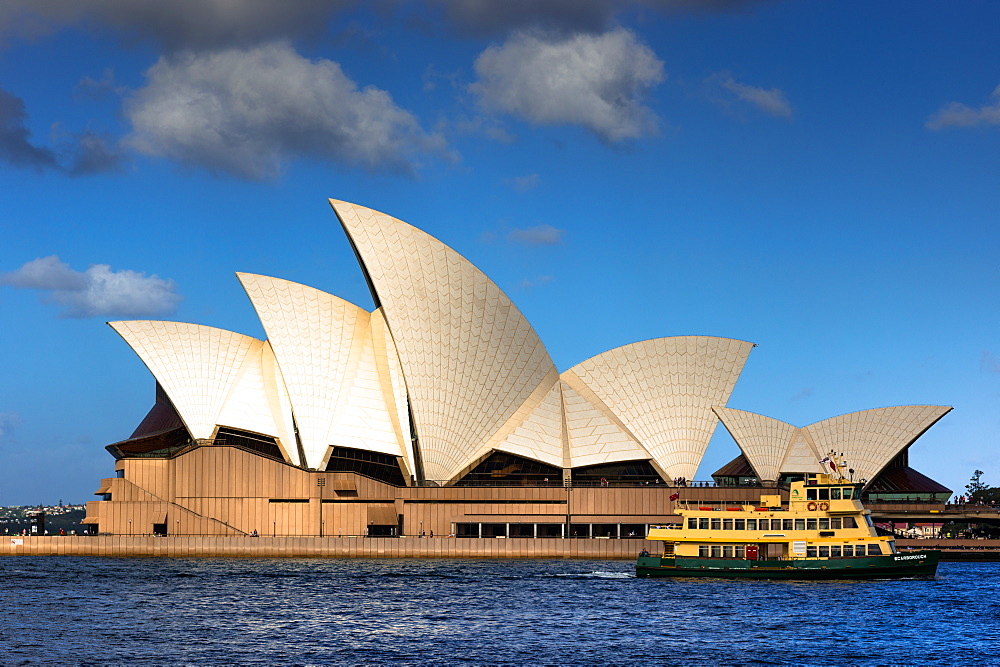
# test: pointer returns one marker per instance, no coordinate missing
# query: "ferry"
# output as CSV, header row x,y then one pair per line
x,y
821,532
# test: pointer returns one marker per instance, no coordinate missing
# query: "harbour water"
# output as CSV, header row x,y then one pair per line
x,y
96,611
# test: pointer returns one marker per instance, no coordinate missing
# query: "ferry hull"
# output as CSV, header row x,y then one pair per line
x,y
921,564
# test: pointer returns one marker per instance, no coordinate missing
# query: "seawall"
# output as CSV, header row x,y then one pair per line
x,y
387,547
318,547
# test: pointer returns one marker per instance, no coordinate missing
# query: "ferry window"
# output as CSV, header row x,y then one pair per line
x,y
741,524
800,524
874,550
716,551
868,520
703,551
892,547
847,493
848,551
810,494
849,522
834,524
786,524
727,524
824,524
716,524
741,551
834,494
824,494
810,524
703,523
751,524
824,552
727,551
692,523
835,551
810,552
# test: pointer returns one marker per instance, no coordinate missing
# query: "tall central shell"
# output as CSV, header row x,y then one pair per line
x,y
469,357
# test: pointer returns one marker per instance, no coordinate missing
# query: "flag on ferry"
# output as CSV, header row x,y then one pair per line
x,y
675,496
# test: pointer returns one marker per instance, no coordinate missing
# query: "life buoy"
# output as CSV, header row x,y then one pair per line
x,y
811,507
824,507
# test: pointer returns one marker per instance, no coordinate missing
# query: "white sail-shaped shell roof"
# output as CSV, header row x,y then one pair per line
x,y
204,370
594,435
469,357
868,439
325,351
663,390
764,441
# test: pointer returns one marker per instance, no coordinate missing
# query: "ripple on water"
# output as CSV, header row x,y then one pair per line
x,y
80,611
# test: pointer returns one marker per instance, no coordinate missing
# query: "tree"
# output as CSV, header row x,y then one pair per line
x,y
980,491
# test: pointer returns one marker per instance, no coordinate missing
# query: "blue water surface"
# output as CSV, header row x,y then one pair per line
x,y
95,611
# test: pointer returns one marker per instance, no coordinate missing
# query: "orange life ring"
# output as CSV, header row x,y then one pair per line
x,y
824,507
811,507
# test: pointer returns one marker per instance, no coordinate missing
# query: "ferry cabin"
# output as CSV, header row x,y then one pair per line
x,y
822,519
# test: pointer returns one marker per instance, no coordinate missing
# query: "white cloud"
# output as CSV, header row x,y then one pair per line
x,y
771,101
596,81
524,183
246,112
8,422
98,291
957,114
529,283
536,236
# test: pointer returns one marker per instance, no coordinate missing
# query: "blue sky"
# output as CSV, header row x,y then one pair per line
x,y
822,179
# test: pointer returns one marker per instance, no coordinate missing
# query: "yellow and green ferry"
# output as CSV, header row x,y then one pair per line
x,y
822,532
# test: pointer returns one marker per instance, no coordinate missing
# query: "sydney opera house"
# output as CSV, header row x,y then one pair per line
x,y
440,412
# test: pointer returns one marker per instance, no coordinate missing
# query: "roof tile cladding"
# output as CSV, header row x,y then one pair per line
x,y
764,440
868,439
196,365
663,390
325,351
470,358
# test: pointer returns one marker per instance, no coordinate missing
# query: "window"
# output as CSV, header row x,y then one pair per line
x,y
834,494
824,524
741,524
824,552
703,551
834,524
727,524
716,551
874,550
835,551
810,494
810,552
848,551
741,551
786,524
703,523
692,523
800,524
849,522
751,524
727,551
824,494
810,524
847,493
716,524
868,520
892,547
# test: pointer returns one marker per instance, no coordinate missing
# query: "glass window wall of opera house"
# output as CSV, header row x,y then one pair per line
x,y
440,413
